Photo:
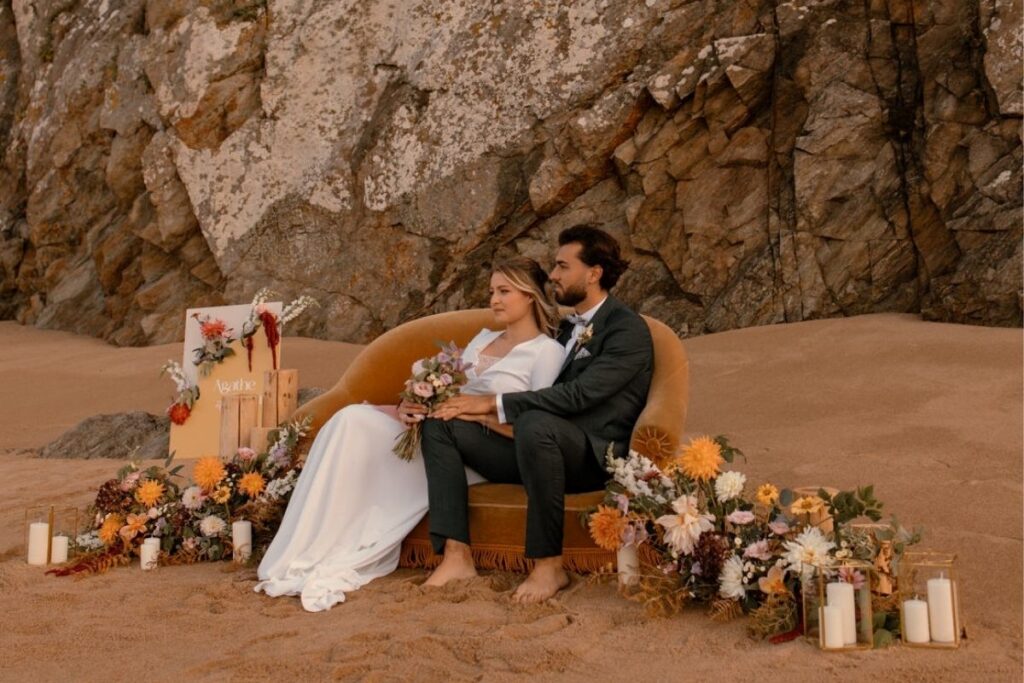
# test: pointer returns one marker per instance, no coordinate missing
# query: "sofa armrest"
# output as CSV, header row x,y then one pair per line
x,y
659,429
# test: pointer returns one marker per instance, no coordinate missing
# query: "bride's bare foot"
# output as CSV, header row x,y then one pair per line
x,y
546,579
457,564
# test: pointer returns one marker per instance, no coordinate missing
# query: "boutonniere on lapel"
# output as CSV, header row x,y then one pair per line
x,y
583,340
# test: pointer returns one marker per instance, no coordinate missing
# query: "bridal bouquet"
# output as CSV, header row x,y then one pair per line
x,y
434,380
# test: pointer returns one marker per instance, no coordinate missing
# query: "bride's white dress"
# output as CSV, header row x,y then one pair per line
x,y
356,500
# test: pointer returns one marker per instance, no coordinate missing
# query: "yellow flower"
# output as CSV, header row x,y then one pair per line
x,y
251,484
135,525
606,527
807,505
774,582
701,459
767,494
208,472
108,531
149,492
221,495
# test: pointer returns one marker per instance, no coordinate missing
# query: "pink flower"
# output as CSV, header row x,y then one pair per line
x,y
130,481
423,389
246,454
446,379
758,551
851,575
779,527
741,517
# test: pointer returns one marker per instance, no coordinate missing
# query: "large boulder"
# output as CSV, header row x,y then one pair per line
x,y
137,434
761,161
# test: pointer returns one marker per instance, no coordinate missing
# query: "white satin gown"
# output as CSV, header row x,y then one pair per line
x,y
356,500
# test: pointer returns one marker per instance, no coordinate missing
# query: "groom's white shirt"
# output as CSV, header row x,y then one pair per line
x,y
587,316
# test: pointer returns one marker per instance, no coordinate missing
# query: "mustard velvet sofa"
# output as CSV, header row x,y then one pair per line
x,y
498,511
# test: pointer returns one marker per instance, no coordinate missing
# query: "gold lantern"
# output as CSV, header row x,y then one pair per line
x,y
929,600
837,606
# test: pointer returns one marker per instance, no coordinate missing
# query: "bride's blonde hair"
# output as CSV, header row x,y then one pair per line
x,y
527,276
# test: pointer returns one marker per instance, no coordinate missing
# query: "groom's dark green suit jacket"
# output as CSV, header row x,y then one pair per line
x,y
603,385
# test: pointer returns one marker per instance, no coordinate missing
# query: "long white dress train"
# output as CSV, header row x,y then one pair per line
x,y
356,500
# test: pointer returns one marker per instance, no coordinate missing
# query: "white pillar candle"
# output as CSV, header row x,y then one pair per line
x,y
628,563
940,610
840,594
153,541
831,625
147,556
241,540
38,539
915,621
59,550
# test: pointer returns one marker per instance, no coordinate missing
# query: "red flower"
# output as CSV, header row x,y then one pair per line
x,y
179,412
212,329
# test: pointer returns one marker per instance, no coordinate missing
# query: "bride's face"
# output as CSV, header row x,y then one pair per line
x,y
508,304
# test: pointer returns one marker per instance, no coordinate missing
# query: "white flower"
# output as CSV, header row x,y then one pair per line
x,y
153,513
809,550
683,529
729,485
212,525
192,498
89,541
730,581
641,477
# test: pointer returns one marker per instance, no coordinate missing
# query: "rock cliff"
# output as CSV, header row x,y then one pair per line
x,y
762,161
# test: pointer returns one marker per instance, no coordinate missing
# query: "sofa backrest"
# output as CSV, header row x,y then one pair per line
x,y
378,373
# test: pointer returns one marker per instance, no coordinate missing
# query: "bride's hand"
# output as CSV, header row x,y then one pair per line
x,y
460,406
411,413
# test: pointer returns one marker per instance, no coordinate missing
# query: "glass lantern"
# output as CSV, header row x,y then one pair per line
x,y
929,600
837,606
51,533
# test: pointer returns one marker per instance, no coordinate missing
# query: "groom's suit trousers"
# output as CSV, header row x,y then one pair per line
x,y
549,457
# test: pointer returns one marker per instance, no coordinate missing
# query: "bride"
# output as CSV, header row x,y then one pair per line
x,y
356,500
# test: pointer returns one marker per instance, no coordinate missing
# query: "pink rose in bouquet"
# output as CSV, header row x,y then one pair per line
x,y
434,380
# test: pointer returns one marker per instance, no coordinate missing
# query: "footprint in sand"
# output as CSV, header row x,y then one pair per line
x,y
544,626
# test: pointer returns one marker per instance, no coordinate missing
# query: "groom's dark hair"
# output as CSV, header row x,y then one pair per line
x,y
598,248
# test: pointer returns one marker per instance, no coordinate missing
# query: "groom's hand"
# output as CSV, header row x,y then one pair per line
x,y
465,405
411,413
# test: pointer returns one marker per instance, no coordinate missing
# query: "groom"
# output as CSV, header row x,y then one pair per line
x,y
561,433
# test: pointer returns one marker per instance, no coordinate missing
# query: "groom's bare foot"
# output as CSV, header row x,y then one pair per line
x,y
457,564
546,579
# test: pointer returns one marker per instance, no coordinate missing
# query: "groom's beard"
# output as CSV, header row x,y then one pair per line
x,y
570,296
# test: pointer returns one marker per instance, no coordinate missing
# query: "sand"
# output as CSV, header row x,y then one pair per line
x,y
931,414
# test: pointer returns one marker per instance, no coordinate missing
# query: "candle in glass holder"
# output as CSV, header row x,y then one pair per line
x,y
59,549
241,540
915,617
147,556
840,594
38,540
832,626
940,610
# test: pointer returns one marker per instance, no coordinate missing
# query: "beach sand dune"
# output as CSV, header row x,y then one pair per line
x,y
931,414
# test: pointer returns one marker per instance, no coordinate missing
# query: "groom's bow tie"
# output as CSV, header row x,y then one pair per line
x,y
576,319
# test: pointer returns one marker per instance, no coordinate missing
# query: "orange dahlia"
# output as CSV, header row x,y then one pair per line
x,y
108,530
208,472
212,329
702,459
606,527
149,492
251,484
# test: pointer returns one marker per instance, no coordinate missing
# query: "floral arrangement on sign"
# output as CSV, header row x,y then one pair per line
x,y
433,381
702,539
192,522
261,316
186,394
216,343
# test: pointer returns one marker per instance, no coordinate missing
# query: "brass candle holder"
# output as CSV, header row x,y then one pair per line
x,y
929,596
816,595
